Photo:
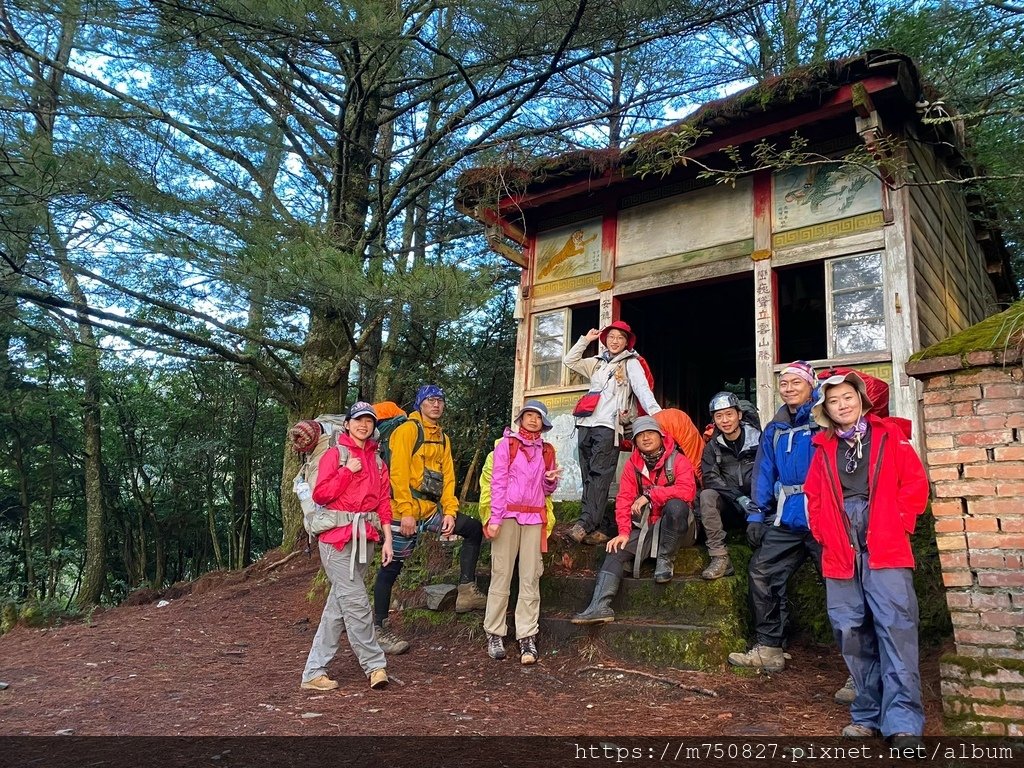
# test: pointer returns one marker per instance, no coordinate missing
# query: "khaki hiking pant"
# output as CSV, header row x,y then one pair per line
x,y
523,541
348,609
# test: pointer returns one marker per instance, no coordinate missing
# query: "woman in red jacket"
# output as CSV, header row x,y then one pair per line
x,y
352,481
865,488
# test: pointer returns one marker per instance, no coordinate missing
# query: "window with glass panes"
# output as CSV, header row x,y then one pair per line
x,y
552,335
548,348
856,305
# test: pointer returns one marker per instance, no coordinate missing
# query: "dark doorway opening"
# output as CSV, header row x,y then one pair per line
x,y
801,292
698,340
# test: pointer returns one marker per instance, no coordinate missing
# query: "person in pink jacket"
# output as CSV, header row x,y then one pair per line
x,y
521,478
865,488
352,481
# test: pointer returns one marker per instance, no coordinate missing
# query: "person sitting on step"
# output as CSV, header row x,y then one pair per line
x,y
726,465
653,512
423,493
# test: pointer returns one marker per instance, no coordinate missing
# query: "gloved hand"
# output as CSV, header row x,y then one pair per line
x,y
755,533
743,502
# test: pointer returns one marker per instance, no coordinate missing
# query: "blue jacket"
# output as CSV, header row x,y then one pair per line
x,y
782,461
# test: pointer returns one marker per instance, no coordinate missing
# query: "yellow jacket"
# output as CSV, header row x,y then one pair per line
x,y
407,469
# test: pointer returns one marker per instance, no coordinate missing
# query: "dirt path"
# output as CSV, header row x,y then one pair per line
x,y
226,659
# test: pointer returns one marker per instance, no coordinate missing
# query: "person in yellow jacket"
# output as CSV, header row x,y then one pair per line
x,y
423,499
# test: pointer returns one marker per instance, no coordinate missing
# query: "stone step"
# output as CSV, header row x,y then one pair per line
x,y
568,555
683,646
720,603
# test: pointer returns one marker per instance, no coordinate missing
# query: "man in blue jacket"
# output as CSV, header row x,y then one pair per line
x,y
779,531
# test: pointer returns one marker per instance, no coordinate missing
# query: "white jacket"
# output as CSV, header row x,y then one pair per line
x,y
621,382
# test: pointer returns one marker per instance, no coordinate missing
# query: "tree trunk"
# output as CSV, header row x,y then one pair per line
x,y
211,512
25,500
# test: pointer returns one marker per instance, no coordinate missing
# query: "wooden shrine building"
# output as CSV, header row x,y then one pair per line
x,y
726,273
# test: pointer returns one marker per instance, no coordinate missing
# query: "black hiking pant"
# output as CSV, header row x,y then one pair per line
x,y
599,457
673,521
783,550
472,533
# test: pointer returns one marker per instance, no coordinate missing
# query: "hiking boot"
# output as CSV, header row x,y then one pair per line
x,y
858,731
320,683
389,642
577,533
379,679
495,647
719,566
470,598
760,657
847,693
600,609
902,741
528,650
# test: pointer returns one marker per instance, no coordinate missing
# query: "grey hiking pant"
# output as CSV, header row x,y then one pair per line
x,y
347,608
712,506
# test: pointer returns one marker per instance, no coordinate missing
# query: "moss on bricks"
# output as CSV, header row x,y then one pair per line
x,y
1004,331
979,666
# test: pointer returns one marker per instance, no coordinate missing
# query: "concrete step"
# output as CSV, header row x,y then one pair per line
x,y
683,646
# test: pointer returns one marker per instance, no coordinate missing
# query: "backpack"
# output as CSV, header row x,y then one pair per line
x,y
621,369
387,427
331,427
878,390
750,415
548,452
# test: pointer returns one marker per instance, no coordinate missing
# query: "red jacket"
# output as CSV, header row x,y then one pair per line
x,y
656,482
368,490
897,494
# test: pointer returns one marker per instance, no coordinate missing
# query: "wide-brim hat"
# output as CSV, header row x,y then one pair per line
x,y
646,424
538,407
619,325
853,379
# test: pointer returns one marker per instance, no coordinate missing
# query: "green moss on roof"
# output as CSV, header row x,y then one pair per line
x,y
1004,331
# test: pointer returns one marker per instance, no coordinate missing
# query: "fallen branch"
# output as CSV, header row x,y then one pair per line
x,y
283,560
657,678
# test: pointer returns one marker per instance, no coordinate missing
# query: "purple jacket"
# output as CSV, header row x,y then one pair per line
x,y
518,489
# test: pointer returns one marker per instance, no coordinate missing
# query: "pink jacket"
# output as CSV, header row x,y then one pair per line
x,y
518,488
368,490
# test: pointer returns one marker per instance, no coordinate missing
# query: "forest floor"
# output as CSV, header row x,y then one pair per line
x,y
225,659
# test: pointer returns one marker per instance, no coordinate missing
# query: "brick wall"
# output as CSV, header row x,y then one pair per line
x,y
974,449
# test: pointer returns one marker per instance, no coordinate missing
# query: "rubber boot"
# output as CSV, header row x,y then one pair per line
x,y
600,609
667,549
